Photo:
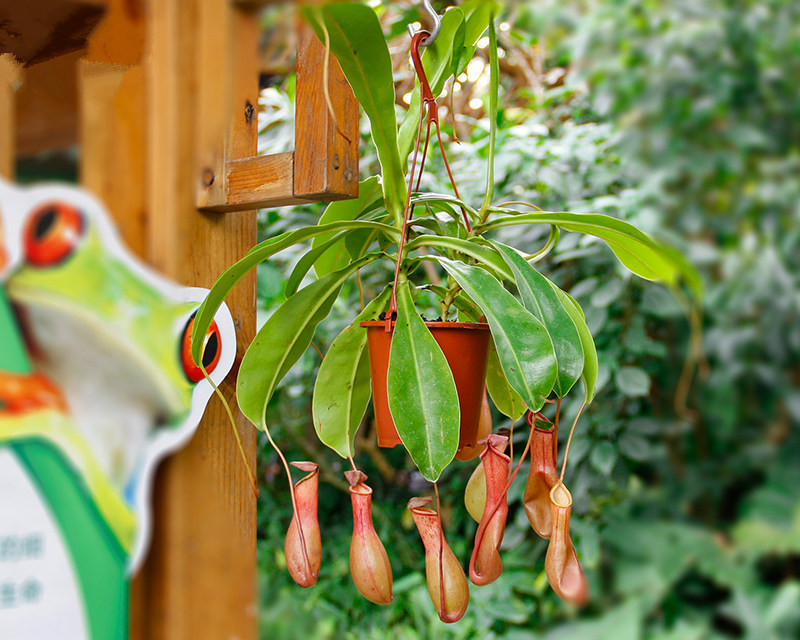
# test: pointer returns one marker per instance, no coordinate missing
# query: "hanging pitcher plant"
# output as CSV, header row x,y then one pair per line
x,y
504,326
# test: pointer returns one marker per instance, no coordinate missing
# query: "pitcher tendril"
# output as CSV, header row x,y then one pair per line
x,y
569,440
232,422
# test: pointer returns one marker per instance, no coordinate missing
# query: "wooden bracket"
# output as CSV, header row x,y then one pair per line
x,y
324,163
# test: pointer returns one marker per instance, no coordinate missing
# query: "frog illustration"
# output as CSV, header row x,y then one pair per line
x,y
96,385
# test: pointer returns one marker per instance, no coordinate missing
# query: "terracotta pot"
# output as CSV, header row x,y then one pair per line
x,y
466,347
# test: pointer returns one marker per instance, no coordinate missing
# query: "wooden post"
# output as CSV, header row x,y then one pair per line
x,y
200,578
160,83
9,77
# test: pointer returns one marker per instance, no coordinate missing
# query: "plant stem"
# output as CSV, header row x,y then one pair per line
x,y
494,82
232,422
511,440
441,545
360,288
291,484
401,247
452,292
552,239
569,441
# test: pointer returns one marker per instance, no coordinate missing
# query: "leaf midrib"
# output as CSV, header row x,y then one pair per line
x,y
417,377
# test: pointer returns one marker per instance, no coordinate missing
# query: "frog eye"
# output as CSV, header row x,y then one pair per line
x,y
212,347
52,234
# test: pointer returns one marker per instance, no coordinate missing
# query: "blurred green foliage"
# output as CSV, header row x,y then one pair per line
x,y
683,118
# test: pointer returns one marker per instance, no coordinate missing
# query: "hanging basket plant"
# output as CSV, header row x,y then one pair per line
x,y
427,380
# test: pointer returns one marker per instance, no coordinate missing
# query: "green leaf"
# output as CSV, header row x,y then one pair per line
x,y
523,345
309,260
607,293
283,339
337,258
342,389
635,447
228,279
507,401
442,199
603,457
539,297
358,242
633,381
422,393
484,254
357,41
637,251
478,13
591,365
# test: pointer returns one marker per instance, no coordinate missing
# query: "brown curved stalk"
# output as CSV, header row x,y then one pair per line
x,y
569,441
232,422
450,174
427,106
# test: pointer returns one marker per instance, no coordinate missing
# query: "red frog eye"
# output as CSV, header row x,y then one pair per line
x,y
212,348
52,233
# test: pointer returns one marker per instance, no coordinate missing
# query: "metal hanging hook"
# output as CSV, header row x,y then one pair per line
x,y
437,24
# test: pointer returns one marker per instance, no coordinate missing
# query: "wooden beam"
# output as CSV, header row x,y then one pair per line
x,y
256,4
260,181
47,106
9,79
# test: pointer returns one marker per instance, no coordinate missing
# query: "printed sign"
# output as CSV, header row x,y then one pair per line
x,y
96,386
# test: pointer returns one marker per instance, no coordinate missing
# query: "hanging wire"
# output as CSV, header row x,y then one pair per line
x,y
437,24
